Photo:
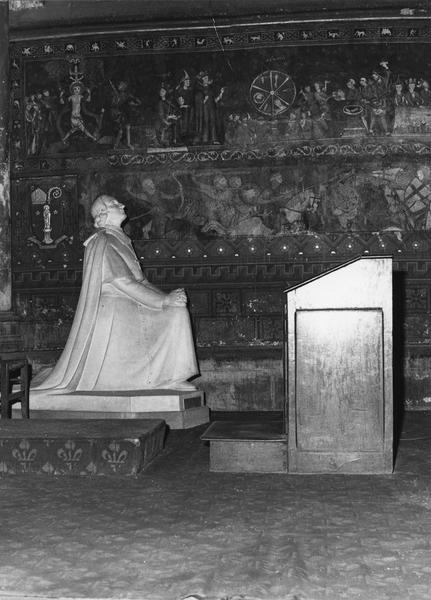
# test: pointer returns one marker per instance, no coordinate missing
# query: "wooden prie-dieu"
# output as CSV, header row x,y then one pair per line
x,y
339,390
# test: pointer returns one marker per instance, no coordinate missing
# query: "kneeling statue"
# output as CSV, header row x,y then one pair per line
x,y
126,334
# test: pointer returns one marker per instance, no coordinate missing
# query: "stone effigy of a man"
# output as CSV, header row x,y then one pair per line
x,y
127,334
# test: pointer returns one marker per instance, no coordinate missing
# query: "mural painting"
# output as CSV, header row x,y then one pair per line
x,y
45,220
201,205
250,157
246,99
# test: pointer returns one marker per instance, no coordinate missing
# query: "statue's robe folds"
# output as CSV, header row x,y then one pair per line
x,y
122,337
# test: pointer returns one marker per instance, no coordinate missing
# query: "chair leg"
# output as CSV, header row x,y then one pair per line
x,y
4,376
25,391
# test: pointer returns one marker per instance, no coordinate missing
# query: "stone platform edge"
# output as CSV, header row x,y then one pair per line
x,y
180,409
41,448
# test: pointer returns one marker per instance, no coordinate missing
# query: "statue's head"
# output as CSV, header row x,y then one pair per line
x,y
102,211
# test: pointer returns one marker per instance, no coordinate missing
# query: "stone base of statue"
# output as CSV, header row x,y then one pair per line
x,y
178,408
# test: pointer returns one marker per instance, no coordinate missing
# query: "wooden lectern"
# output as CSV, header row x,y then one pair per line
x,y
338,355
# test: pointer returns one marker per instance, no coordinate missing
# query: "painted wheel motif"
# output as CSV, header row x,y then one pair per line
x,y
272,93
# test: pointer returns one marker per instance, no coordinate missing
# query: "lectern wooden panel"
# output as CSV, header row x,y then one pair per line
x,y
339,370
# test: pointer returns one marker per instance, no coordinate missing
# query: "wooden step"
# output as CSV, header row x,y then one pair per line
x,y
247,447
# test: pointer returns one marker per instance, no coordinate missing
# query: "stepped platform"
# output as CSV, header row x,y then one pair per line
x,y
79,447
178,408
247,446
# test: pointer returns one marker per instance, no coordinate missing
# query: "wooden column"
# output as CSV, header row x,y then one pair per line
x,y
5,247
10,336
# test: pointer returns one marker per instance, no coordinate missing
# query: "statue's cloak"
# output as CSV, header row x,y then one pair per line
x,y
122,338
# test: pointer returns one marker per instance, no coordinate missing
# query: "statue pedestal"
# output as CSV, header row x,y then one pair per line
x,y
179,409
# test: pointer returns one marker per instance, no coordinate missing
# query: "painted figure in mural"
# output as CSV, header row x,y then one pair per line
x,y
410,113
389,86
127,334
272,199
314,110
399,98
293,128
41,114
336,103
378,105
230,208
417,197
387,75
378,116
366,95
305,125
160,208
312,216
412,94
293,211
240,131
79,95
49,113
354,112
408,195
244,199
184,98
209,127
167,117
399,217
352,93
320,116
306,99
33,119
401,110
344,203
378,85
425,92
123,106
220,209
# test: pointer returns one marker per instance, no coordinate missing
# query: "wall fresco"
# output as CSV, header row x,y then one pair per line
x,y
246,99
270,201
250,157
45,221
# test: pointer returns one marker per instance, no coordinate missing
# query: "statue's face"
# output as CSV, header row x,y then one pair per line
x,y
116,214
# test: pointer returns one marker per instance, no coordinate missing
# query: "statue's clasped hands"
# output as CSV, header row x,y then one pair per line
x,y
176,298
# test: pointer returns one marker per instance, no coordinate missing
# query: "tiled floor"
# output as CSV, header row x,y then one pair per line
x,y
178,530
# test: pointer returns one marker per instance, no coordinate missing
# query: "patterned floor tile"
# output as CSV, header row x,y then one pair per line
x,y
177,530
